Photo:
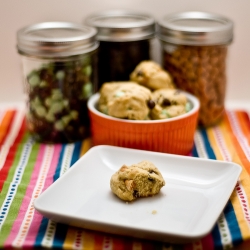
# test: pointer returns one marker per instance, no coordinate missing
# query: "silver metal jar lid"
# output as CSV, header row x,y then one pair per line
x,y
195,28
56,39
122,25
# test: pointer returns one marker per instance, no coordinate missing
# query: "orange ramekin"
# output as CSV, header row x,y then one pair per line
x,y
173,135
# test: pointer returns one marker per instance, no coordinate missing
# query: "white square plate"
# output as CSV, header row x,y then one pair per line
x,y
186,208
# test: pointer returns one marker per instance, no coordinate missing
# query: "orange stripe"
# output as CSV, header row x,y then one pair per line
x,y
237,146
244,124
226,134
5,124
243,246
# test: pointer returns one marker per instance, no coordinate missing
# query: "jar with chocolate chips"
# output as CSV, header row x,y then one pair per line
x,y
194,51
126,38
59,71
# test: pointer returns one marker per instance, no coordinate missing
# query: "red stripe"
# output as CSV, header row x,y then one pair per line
x,y
245,123
247,118
98,240
11,155
208,242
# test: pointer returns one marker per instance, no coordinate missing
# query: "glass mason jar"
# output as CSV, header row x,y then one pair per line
x,y
126,38
194,51
59,74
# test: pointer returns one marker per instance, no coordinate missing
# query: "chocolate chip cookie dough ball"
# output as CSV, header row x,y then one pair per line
x,y
169,103
152,76
126,100
138,180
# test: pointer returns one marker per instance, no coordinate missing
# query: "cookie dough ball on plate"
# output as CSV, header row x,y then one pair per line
x,y
126,100
138,180
152,76
168,103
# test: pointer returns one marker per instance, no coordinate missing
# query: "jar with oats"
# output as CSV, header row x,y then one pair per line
x,y
194,51
59,75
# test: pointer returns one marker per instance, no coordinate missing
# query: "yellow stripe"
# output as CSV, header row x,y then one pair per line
x,y
86,145
88,241
69,239
244,178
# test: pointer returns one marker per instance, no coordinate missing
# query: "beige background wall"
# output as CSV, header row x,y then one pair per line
x,y
15,14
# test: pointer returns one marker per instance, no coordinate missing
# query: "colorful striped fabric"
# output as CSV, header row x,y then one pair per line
x,y
28,168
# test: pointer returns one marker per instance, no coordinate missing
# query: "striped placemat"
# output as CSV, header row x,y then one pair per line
x,y
28,168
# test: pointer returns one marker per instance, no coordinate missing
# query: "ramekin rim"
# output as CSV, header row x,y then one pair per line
x,y
193,99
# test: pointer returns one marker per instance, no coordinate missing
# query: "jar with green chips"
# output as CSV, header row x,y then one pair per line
x,y
59,73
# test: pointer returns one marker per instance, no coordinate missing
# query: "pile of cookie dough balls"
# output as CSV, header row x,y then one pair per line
x,y
150,95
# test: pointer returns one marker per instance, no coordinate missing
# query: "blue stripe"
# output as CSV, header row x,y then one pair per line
x,y
59,164
60,235
232,223
208,147
216,238
41,231
232,226
76,152
194,152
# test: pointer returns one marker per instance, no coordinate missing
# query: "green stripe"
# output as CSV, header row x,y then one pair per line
x,y
12,169
22,187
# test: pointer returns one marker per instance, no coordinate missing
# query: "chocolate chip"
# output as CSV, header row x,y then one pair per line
x,y
151,104
139,73
166,102
136,194
45,75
